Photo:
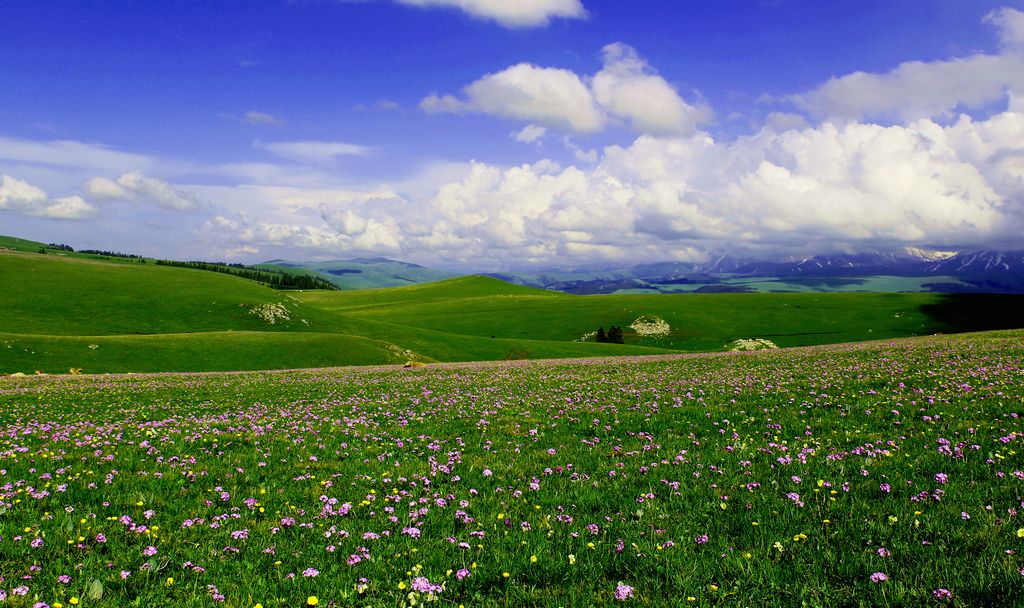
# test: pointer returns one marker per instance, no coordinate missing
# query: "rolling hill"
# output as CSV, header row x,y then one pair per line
x,y
100,315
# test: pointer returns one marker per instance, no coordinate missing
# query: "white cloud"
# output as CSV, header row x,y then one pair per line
x,y
626,88
69,208
512,14
261,118
919,89
24,198
1010,23
136,187
787,189
550,97
72,154
529,134
800,191
315,152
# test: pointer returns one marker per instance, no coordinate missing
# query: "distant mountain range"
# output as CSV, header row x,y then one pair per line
x,y
908,270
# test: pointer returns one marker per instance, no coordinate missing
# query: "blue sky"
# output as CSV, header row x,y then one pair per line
x,y
487,135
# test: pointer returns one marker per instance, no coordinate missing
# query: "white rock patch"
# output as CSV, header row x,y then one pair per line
x,y
649,326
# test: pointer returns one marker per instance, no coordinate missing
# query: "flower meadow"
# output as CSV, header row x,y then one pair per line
x,y
880,474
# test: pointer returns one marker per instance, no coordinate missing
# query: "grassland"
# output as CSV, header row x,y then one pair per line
x,y
878,474
67,311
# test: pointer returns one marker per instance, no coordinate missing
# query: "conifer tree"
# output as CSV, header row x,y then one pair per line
x,y
615,334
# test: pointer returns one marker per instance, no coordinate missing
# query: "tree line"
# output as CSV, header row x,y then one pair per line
x,y
275,279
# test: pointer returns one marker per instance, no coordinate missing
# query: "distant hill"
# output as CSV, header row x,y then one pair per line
x,y
368,273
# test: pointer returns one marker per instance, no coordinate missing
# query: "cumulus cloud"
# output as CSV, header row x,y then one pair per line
x,y
919,89
629,88
805,190
512,14
136,187
787,189
625,88
24,198
550,97
315,152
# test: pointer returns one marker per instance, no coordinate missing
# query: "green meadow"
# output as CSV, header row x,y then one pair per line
x,y
888,473
65,311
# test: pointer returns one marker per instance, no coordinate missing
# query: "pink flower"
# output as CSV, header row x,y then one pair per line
x,y
879,577
623,592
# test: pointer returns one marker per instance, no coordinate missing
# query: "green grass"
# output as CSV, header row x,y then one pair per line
x,y
44,294
775,479
203,351
698,322
179,319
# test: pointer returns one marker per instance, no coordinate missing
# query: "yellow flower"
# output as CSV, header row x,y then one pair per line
x,y
1020,532
401,585
312,600
533,559
258,606
572,559
73,601
505,574
170,581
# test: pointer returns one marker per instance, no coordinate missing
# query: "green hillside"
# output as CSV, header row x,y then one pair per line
x,y
696,322
69,311
45,294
